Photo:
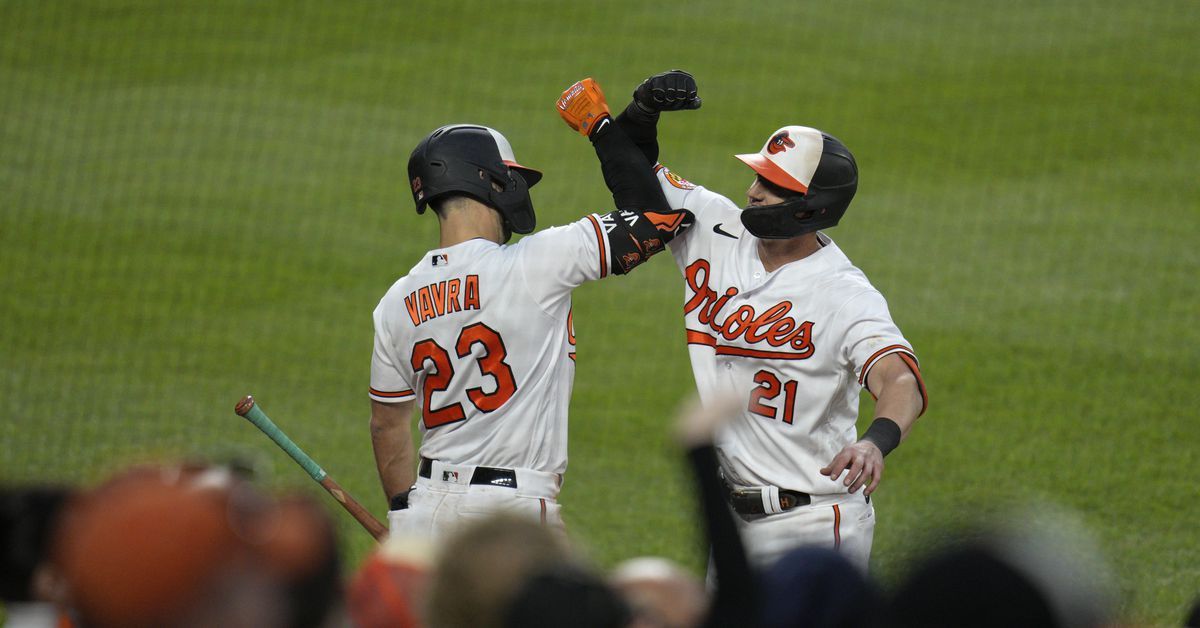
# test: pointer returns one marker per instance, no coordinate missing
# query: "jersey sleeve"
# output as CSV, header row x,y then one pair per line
x,y
871,335
683,194
557,260
708,208
389,380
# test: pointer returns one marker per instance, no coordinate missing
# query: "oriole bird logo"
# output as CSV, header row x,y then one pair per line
x,y
780,143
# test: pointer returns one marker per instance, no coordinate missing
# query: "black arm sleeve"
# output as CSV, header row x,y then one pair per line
x,y
627,173
735,600
642,128
643,223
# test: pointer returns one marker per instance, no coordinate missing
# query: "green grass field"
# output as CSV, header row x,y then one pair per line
x,y
204,200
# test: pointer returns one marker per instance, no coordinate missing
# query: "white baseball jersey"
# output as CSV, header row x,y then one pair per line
x,y
480,334
797,342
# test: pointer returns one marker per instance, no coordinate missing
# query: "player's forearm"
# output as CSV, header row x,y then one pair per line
x,y
395,457
644,221
641,127
627,173
899,392
396,473
900,400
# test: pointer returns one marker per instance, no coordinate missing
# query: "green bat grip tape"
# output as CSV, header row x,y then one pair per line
x,y
260,420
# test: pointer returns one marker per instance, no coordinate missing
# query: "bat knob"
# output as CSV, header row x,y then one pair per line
x,y
244,405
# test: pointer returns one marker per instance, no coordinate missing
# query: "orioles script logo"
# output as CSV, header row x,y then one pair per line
x,y
780,143
773,326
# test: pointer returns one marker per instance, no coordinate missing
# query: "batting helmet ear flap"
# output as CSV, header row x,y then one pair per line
x,y
513,197
433,170
777,222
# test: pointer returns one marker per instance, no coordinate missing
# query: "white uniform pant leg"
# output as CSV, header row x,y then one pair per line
x,y
845,523
437,510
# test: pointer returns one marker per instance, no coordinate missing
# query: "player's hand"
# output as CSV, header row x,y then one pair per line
x,y
862,463
583,107
670,91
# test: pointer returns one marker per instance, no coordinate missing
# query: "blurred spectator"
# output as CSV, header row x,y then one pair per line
x,y
817,587
1037,571
1193,620
566,595
28,582
389,589
298,546
735,596
482,567
660,593
187,546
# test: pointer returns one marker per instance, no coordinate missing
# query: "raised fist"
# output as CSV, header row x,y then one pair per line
x,y
583,108
670,91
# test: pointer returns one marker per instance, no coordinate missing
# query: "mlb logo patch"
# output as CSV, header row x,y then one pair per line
x,y
440,259
450,476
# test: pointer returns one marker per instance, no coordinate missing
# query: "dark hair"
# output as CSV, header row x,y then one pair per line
x,y
566,595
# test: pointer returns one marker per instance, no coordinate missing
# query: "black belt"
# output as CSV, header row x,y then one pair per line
x,y
490,476
748,501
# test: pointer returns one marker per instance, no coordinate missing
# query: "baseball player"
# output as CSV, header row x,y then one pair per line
x,y
478,334
776,313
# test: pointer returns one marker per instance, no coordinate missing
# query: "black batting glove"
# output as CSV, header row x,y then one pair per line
x,y
673,90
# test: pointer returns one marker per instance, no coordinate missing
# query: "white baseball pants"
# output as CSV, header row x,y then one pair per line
x,y
441,504
845,523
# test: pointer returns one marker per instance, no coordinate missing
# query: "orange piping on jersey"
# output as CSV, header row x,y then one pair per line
x,y
571,355
758,353
916,371
391,395
837,527
862,378
600,243
700,338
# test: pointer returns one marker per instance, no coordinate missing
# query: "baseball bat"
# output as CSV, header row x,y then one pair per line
x,y
247,409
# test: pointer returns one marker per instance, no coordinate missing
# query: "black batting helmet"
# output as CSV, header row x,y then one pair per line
x,y
817,174
468,159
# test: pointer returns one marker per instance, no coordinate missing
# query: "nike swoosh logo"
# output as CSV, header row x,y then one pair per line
x,y
719,231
